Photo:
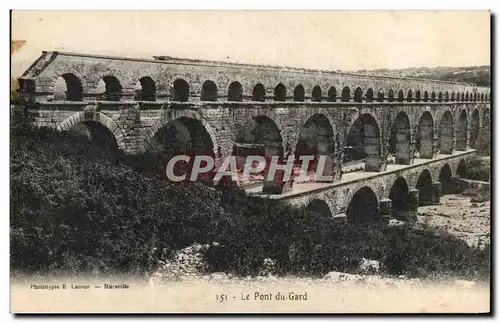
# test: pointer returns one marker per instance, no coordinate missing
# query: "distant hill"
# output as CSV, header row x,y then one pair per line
x,y
478,75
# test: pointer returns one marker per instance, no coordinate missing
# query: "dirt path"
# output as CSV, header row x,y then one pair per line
x,y
458,216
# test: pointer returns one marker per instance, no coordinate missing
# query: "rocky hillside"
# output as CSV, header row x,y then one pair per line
x,y
478,75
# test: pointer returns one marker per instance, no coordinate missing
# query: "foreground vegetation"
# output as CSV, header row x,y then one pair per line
x,y
76,207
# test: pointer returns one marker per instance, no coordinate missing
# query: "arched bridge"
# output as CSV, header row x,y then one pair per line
x,y
372,129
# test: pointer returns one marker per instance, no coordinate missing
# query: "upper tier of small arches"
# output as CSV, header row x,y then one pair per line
x,y
69,88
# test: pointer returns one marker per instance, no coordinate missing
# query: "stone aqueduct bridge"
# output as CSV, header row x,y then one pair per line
x,y
433,124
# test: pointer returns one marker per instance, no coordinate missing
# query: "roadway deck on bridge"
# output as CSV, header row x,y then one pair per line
x,y
300,188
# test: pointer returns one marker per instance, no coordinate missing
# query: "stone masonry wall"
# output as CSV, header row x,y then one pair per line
x,y
138,122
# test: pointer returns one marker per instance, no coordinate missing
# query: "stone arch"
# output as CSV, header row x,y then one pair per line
x,y
106,121
68,87
299,93
269,114
363,142
235,92
208,91
400,138
261,136
401,96
177,114
417,96
452,96
440,96
358,95
482,96
446,135
110,88
346,94
424,186
446,96
317,138
425,136
280,92
321,207
433,96
390,95
486,119
462,131
26,88
475,96
332,94
259,93
463,97
380,95
462,169
409,96
180,90
145,90
369,95
445,176
180,134
426,96
317,94
474,125
467,96
399,195
363,206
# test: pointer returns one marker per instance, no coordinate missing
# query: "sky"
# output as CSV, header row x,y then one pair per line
x,y
332,40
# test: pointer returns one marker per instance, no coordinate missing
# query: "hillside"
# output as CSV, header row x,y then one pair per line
x,y
477,75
